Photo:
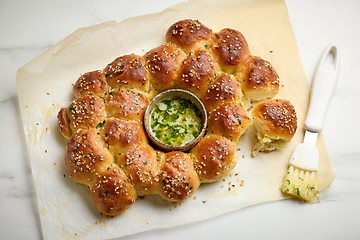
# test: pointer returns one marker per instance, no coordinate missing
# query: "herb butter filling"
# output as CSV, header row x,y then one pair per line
x,y
175,121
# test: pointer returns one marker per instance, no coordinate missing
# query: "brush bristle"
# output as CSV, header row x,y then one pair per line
x,y
301,184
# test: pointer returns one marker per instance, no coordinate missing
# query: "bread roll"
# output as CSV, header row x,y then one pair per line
x,y
258,78
64,123
91,83
197,72
163,64
127,71
112,191
178,178
230,120
223,89
126,104
86,156
86,112
214,158
275,122
142,166
188,34
229,47
120,136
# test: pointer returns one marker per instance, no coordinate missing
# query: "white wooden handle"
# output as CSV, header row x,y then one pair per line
x,y
323,87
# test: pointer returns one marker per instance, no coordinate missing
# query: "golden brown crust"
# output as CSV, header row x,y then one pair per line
x,y
112,191
142,166
64,123
126,104
91,83
259,79
163,64
127,71
277,118
86,156
119,136
178,178
86,112
188,34
230,120
109,150
223,89
214,158
197,72
229,48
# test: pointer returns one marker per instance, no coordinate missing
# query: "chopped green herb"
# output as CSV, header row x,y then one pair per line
x,y
175,121
101,124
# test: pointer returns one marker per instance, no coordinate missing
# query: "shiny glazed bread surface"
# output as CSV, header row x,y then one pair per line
x,y
108,149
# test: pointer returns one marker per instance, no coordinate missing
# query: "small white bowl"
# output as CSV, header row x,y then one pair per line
x,y
182,94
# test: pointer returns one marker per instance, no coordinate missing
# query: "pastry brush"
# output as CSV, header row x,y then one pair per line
x,y
301,180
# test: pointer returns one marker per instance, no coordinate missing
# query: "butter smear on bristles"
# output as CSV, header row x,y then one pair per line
x,y
175,121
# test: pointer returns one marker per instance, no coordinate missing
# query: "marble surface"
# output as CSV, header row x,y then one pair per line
x,y
28,28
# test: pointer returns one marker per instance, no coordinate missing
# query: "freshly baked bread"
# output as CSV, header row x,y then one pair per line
x,y
223,89
126,104
275,122
164,63
91,83
178,178
259,79
230,120
64,123
129,72
142,167
214,157
189,35
112,191
120,136
108,149
86,112
230,48
86,156
197,71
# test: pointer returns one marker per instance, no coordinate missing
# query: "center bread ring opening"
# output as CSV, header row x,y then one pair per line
x,y
108,148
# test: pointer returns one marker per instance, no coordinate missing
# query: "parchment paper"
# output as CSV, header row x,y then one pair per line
x,y
45,85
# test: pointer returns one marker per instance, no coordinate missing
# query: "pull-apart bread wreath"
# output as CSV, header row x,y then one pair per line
x,y
108,148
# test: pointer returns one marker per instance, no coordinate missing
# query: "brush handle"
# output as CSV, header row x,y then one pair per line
x,y
323,87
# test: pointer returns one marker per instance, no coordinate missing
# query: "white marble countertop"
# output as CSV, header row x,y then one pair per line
x,y
28,28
